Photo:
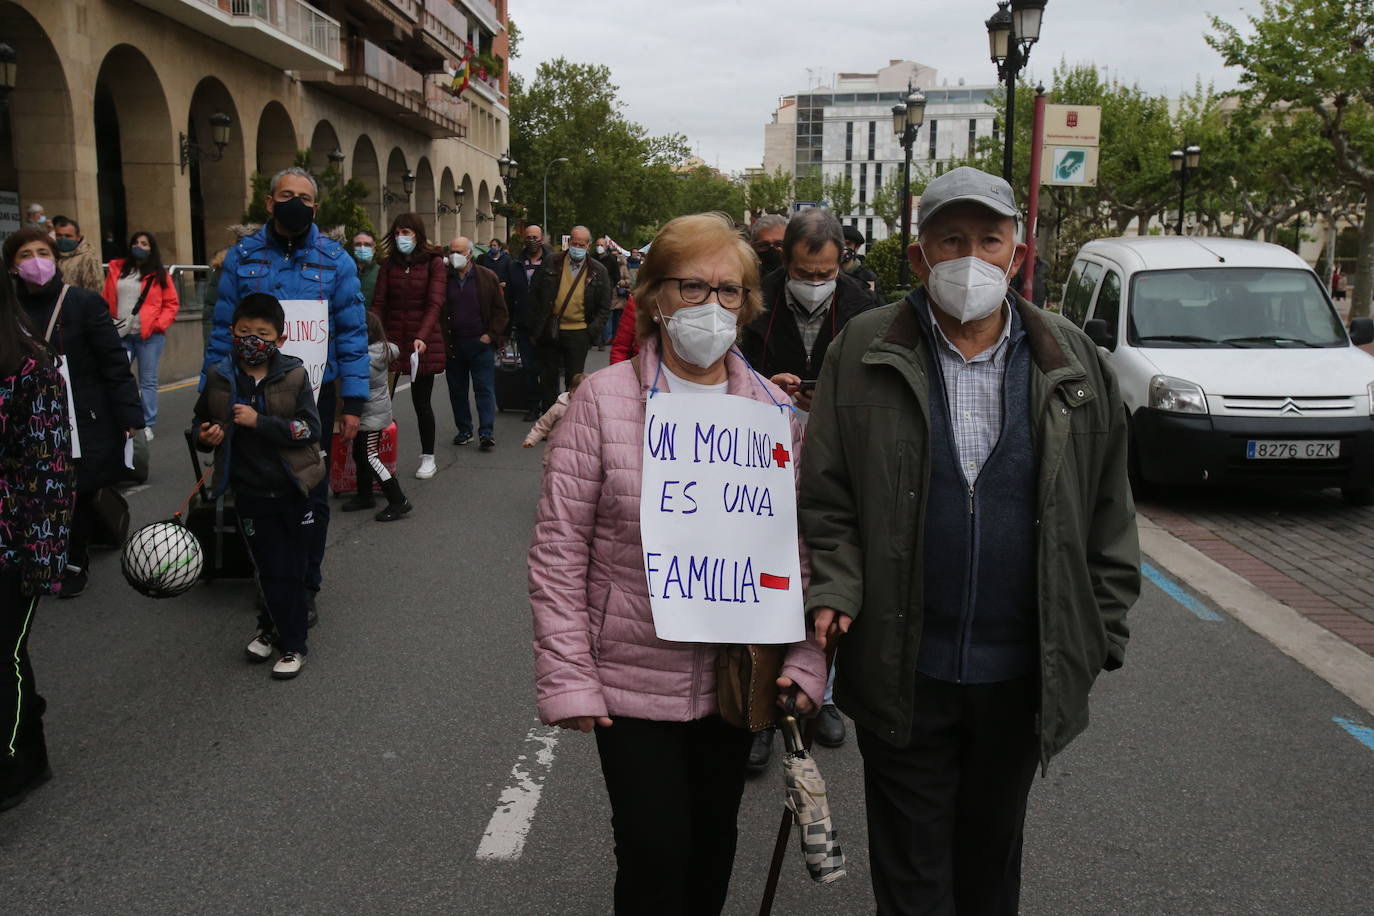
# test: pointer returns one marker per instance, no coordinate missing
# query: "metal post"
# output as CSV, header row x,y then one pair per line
x,y
908,141
1033,195
1182,194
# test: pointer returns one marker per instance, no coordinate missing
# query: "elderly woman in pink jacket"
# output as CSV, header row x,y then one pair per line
x,y
674,770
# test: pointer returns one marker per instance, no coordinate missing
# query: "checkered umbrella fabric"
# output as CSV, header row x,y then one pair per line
x,y
806,798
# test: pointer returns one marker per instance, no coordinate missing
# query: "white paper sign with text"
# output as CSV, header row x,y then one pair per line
x,y
718,520
307,336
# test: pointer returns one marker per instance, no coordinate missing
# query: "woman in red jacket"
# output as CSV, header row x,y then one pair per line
x,y
143,303
409,298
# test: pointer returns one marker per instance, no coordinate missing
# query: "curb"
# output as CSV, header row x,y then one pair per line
x,y
1341,664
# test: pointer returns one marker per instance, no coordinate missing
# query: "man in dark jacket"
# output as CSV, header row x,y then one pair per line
x,y
474,322
964,498
807,301
852,262
515,287
570,299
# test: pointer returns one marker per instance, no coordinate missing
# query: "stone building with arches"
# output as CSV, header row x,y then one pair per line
x,y
117,114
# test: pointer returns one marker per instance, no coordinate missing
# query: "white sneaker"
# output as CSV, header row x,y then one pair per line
x,y
148,434
260,649
288,666
427,467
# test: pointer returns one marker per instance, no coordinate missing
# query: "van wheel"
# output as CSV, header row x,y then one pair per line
x,y
1358,496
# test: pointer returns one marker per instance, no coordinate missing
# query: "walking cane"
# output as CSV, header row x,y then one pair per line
x,y
770,889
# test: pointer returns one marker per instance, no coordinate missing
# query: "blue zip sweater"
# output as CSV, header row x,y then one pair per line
x,y
981,619
311,267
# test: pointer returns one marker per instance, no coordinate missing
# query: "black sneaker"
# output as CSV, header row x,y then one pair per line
x,y
462,439
393,511
488,443
761,752
74,581
830,727
19,779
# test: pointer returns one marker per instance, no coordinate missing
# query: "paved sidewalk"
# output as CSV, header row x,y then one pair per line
x,y
1308,549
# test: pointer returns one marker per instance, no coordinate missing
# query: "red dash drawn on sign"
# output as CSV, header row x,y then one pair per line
x,y
781,583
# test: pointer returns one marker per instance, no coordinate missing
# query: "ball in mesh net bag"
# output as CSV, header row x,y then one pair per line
x,y
162,560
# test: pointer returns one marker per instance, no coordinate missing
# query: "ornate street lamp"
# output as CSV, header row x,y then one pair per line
x,y
9,68
907,119
336,158
457,207
1184,163
1012,30
219,135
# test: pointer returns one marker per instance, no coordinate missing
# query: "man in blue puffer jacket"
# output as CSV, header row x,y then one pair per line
x,y
291,259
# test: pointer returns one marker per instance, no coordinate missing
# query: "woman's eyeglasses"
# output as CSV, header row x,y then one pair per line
x,y
696,292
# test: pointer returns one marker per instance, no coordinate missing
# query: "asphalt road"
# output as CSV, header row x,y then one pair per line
x,y
1213,780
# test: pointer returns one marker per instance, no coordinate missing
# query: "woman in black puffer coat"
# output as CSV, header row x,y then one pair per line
x,y
108,408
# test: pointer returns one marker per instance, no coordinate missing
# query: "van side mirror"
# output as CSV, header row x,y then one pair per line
x,y
1362,331
1101,334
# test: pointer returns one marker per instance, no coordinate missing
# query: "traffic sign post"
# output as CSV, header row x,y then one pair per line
x,y
1069,166
1072,133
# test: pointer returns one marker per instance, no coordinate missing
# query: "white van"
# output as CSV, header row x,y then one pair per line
x,y
1233,364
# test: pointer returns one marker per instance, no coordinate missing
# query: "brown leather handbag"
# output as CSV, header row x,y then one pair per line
x,y
747,685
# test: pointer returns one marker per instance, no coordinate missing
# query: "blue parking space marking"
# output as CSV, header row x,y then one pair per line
x,y
1175,591
1361,733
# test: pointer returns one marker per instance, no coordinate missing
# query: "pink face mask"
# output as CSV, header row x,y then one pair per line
x,y
37,271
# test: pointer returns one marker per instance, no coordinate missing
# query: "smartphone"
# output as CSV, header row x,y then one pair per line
x,y
808,384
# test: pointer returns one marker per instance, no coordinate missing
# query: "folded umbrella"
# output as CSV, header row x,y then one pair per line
x,y
806,798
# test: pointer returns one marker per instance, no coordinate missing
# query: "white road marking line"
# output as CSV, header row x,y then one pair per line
x,y
138,489
514,815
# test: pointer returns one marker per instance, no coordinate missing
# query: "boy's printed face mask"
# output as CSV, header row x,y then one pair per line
x,y
253,350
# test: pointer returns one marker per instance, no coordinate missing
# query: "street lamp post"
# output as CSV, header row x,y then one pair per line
x,y
1011,33
547,234
907,119
1184,161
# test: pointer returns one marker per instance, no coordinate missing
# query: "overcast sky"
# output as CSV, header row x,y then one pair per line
x,y
714,69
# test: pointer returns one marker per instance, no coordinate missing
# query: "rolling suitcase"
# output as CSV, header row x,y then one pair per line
x,y
343,474
510,380
215,523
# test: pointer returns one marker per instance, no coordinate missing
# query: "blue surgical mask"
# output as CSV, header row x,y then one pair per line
x,y
363,253
139,253
405,244
577,254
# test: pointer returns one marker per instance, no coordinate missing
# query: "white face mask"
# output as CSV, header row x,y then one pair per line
x,y
811,295
459,261
967,289
701,334
600,249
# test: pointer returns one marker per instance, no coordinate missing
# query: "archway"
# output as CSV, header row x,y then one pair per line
x,y
135,151
486,225
424,200
323,142
366,170
467,220
37,144
276,139
394,190
448,223
218,187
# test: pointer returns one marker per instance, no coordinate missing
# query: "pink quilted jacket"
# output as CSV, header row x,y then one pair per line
x,y
595,651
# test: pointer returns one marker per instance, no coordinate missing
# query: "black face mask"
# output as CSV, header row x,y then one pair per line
x,y
292,216
770,260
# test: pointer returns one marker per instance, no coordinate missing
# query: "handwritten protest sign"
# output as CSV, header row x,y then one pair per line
x,y
307,336
718,520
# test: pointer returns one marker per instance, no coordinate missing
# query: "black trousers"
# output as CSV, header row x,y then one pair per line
x,y
675,790
318,533
421,390
22,750
946,812
529,365
279,538
82,529
562,359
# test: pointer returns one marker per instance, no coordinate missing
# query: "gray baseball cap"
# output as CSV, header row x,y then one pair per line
x,y
966,185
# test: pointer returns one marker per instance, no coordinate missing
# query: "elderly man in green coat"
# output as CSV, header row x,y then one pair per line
x,y
965,500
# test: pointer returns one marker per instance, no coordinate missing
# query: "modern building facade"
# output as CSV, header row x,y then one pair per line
x,y
846,130
118,106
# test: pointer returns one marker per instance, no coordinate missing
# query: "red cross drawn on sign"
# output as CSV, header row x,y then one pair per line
x,y
781,455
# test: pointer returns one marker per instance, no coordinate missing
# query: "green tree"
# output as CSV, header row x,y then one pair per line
x,y
768,193
839,195
809,187
884,258
618,177
703,190
1317,56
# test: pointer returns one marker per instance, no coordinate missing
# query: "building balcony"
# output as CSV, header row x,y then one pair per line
x,y
378,82
484,11
288,34
443,30
386,20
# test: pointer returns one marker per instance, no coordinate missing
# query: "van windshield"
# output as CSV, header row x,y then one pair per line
x,y
1226,307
